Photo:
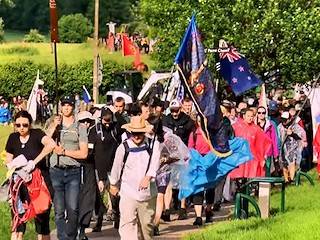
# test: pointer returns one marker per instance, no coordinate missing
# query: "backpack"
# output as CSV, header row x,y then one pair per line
x,y
147,147
37,202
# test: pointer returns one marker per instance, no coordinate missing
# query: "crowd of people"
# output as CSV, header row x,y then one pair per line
x,y
114,42
119,152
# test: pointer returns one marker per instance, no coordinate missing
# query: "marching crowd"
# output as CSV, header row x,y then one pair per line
x,y
117,153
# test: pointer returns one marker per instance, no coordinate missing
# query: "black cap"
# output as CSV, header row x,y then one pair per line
x,y
106,111
68,99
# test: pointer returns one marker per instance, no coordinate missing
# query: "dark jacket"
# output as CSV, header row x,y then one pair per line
x,y
182,126
103,143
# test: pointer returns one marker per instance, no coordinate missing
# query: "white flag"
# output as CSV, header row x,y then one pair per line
x,y
32,100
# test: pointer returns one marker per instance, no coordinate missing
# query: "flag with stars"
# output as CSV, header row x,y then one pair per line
x,y
197,82
235,69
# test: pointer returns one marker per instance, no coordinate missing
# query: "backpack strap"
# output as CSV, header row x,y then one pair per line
x,y
125,157
148,147
150,151
14,193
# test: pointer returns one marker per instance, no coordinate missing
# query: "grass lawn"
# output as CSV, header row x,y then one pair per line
x,y
299,222
67,53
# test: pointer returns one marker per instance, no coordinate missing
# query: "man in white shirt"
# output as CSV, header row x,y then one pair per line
x,y
135,165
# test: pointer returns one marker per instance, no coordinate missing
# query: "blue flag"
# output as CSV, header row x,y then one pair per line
x,y
235,69
85,95
197,80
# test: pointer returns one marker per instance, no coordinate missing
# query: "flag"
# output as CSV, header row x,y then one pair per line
x,y
129,49
235,69
197,81
32,103
263,98
85,95
100,70
53,21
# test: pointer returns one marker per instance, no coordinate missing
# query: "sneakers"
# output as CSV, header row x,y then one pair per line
x,y
82,234
110,216
198,221
209,215
182,214
156,231
166,216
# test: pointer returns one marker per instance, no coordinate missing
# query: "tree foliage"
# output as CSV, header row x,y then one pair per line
x,y
1,30
274,34
28,14
110,11
34,36
74,28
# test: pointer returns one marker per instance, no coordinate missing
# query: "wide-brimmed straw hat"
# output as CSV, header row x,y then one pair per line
x,y
137,124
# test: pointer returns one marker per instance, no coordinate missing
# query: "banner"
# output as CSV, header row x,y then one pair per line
x,y
53,21
32,104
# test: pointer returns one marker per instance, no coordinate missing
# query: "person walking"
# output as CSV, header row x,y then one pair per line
x,y
104,138
65,168
35,145
135,165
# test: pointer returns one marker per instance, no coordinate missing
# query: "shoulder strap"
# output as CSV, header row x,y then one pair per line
x,y
150,151
125,157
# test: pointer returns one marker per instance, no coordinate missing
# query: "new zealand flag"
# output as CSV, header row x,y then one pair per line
x,y
197,80
235,69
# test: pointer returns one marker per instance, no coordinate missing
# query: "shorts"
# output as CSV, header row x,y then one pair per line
x,y
162,189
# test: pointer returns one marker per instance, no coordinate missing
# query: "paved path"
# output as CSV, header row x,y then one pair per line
x,y
169,231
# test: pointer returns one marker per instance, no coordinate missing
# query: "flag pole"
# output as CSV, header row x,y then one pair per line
x,y
54,40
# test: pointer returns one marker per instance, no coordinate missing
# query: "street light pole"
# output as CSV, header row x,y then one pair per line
x,y
95,91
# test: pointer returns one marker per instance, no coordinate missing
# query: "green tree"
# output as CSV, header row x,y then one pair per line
x,y
74,28
275,34
34,36
26,14
1,30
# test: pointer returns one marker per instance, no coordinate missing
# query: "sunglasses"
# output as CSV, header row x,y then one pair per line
x,y
85,121
262,113
137,133
25,125
174,110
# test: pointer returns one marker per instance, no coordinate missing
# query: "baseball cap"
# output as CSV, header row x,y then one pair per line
x,y
273,105
174,104
68,99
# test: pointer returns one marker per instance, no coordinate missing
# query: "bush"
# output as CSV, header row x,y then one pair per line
x,y
1,30
29,51
34,36
74,28
18,78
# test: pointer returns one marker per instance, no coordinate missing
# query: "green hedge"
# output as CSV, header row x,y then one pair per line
x,y
18,78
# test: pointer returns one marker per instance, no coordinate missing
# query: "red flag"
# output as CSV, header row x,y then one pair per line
x,y
53,21
129,49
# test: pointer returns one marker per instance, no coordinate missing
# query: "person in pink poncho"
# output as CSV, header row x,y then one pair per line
x,y
316,146
260,145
